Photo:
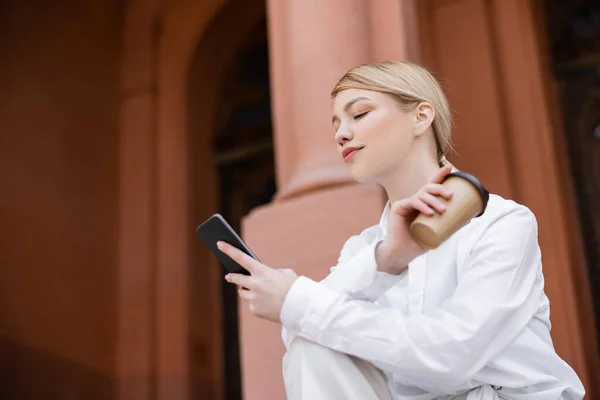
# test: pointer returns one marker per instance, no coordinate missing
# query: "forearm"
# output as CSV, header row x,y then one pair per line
x,y
360,277
391,261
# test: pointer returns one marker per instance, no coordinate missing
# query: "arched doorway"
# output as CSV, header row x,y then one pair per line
x,y
231,171
243,149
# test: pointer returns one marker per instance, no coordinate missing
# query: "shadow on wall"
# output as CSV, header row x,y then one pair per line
x,y
28,373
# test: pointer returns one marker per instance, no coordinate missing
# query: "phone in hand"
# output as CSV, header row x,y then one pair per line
x,y
216,229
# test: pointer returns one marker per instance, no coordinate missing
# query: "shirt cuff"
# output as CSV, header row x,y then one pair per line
x,y
305,303
360,278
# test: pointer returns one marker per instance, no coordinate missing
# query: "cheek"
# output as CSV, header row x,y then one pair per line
x,y
387,141
387,138
372,129
387,147
379,156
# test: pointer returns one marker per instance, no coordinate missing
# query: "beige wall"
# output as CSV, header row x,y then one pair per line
x,y
59,74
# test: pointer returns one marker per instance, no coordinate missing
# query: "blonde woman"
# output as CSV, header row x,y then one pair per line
x,y
468,320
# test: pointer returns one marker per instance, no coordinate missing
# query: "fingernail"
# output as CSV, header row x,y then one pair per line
x,y
227,277
220,245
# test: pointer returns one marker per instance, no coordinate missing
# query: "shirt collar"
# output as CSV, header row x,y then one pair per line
x,y
383,222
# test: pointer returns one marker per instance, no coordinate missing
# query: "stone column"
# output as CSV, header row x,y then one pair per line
x,y
318,207
394,30
313,43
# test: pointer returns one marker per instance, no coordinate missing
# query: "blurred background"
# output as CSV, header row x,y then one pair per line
x,y
125,123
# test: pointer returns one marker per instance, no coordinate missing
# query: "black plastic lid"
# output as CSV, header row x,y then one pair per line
x,y
485,195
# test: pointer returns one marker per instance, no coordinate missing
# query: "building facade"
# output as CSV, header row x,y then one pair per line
x,y
124,124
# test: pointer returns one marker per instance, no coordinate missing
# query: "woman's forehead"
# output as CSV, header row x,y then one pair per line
x,y
346,98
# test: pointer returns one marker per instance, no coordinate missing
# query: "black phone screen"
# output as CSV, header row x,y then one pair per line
x,y
216,229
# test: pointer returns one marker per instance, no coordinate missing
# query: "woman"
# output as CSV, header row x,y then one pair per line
x,y
468,320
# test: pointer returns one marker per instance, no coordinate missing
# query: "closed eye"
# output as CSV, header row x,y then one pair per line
x,y
359,116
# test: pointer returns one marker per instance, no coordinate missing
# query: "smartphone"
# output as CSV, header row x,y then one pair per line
x,y
216,229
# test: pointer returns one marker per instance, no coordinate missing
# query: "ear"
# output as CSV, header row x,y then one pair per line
x,y
424,115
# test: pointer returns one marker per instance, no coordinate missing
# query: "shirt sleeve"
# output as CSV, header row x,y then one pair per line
x,y
358,276
497,294
355,274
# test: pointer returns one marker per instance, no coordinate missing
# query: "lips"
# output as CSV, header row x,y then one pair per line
x,y
349,152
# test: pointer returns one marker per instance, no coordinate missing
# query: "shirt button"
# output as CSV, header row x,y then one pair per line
x,y
415,299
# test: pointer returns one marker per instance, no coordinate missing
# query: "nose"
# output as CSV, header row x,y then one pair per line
x,y
343,134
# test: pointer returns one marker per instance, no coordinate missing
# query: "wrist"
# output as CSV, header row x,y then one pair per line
x,y
389,260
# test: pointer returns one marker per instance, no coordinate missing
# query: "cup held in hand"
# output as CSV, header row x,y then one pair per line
x,y
468,201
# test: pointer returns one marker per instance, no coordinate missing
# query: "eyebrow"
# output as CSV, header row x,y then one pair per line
x,y
350,104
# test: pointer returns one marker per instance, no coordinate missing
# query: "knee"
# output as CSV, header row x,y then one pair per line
x,y
306,358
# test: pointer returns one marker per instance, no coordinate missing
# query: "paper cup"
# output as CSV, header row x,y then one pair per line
x,y
468,201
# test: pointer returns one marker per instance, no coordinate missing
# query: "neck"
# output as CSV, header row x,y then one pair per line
x,y
409,178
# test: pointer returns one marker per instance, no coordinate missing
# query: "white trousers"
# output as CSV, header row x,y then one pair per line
x,y
314,372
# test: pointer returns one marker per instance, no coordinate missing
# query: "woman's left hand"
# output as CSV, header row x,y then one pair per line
x,y
264,289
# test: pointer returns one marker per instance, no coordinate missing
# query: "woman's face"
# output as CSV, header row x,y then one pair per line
x,y
374,135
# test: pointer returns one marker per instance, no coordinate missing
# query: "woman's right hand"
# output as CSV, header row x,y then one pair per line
x,y
398,248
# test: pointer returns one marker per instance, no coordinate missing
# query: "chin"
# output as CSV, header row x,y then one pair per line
x,y
362,175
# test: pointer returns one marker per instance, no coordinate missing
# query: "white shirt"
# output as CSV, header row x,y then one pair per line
x,y
468,320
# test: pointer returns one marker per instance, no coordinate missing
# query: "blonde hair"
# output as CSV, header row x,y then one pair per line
x,y
410,84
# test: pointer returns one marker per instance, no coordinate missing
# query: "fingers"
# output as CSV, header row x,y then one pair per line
x,y
244,281
432,195
426,201
250,297
240,257
406,207
432,201
441,174
246,294
437,189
